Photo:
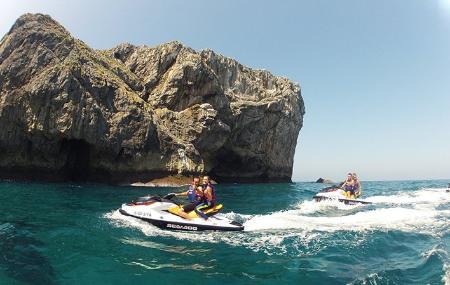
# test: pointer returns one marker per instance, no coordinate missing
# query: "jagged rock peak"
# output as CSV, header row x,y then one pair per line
x,y
37,20
135,112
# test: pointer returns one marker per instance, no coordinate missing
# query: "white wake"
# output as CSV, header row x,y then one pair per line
x,y
423,211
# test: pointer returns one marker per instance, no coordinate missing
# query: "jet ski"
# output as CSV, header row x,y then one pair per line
x,y
337,194
164,213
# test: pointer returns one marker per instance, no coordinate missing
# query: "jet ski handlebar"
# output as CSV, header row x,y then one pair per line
x,y
169,196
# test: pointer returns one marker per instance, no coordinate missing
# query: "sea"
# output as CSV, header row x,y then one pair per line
x,y
74,234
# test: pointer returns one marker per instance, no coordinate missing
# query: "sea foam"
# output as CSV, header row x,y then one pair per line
x,y
308,221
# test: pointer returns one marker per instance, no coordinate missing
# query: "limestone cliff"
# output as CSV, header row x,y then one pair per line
x,y
68,112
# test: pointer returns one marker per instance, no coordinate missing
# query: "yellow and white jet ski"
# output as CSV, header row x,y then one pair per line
x,y
337,194
165,214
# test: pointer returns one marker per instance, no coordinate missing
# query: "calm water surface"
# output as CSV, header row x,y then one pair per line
x,y
73,234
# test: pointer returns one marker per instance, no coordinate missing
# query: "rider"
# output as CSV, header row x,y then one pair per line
x,y
194,195
358,187
209,198
349,186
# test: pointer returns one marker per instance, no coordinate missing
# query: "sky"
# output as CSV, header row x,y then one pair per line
x,y
375,75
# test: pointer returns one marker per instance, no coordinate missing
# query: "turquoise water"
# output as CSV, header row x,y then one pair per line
x,y
73,234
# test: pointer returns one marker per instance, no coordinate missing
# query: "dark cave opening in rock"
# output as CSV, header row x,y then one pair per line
x,y
228,166
77,155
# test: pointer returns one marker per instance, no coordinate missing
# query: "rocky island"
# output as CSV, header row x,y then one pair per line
x,y
136,113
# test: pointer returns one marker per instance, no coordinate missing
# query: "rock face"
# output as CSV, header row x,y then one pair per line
x,y
68,112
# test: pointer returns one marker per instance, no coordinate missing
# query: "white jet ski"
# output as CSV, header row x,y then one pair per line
x,y
337,194
162,213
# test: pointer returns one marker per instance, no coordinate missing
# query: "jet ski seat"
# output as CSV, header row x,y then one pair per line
x,y
192,214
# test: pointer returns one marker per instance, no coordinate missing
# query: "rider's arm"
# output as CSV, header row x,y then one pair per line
x,y
182,193
199,191
208,193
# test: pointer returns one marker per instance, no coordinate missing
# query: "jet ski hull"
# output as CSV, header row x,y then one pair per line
x,y
178,226
343,200
336,194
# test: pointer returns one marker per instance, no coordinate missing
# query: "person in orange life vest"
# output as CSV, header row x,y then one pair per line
x,y
357,186
209,198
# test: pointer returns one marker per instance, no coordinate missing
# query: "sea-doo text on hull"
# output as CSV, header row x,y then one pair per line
x,y
163,214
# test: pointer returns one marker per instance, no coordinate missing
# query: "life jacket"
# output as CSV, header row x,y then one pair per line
x,y
351,188
213,194
350,185
192,194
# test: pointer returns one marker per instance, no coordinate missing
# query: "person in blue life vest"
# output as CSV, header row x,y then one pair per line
x,y
349,186
209,198
194,195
